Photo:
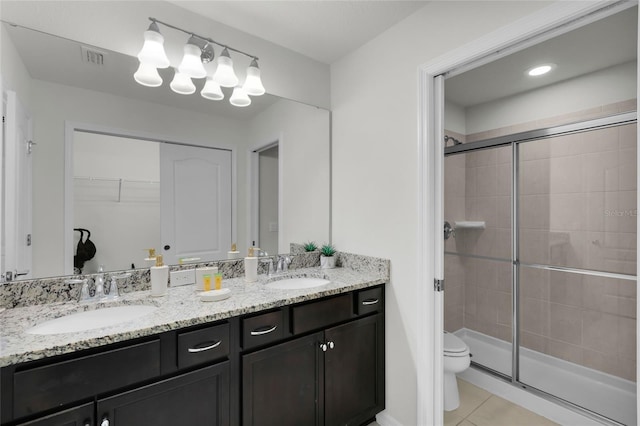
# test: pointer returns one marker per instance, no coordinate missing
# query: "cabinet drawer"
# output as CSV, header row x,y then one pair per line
x,y
41,388
369,300
316,315
204,345
262,329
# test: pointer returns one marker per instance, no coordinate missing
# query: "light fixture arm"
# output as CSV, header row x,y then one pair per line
x,y
207,39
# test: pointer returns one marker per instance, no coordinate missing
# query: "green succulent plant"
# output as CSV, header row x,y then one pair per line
x,y
310,246
328,250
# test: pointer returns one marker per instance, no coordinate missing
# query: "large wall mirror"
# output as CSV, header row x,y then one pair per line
x,y
100,162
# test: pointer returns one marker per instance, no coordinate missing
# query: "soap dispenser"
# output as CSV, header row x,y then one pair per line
x,y
159,277
150,260
234,253
251,267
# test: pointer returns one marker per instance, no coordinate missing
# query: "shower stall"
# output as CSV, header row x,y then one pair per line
x,y
540,260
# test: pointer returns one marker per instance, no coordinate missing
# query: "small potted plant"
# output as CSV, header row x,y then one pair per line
x,y
327,258
310,246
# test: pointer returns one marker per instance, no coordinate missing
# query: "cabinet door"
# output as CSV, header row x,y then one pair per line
x,y
354,371
77,416
197,398
281,384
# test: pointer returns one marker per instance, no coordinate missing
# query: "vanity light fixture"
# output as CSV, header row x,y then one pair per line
x,y
540,70
197,51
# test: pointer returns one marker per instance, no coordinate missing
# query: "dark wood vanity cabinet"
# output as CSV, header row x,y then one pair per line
x,y
315,363
177,377
200,397
330,375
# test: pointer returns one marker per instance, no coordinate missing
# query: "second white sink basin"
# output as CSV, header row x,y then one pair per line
x,y
297,283
89,320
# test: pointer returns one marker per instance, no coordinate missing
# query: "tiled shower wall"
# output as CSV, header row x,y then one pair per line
x,y
577,209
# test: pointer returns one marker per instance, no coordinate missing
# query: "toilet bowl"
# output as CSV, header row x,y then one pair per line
x,y
456,360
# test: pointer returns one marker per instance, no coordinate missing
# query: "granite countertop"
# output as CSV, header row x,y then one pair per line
x,y
180,308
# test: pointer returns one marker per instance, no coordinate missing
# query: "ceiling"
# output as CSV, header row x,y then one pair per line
x,y
599,45
320,29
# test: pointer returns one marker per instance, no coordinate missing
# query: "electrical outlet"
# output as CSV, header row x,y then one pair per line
x,y
184,277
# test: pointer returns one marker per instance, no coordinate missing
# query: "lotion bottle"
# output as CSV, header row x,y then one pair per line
x,y
251,267
159,277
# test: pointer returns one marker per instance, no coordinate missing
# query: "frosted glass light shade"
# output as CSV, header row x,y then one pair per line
x,y
240,98
253,84
182,84
211,90
147,75
152,52
191,64
225,75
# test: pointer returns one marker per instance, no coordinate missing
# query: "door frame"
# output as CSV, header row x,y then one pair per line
x,y
551,21
70,127
253,194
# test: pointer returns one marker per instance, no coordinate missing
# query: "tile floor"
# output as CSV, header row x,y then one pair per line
x,y
479,407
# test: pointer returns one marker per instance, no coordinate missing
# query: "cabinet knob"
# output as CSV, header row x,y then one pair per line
x,y
323,346
105,422
331,345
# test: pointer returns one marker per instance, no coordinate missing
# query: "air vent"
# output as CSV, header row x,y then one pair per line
x,y
92,56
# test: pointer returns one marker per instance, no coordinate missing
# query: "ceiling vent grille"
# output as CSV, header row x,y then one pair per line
x,y
92,56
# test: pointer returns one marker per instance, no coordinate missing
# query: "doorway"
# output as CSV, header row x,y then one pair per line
x,y
553,20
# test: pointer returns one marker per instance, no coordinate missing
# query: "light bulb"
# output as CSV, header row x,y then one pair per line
x,y
224,74
239,97
152,52
182,84
253,84
191,64
147,75
211,90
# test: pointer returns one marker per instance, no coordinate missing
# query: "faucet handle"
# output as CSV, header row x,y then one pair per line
x,y
84,290
113,289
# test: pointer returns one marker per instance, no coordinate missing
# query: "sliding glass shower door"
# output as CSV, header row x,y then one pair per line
x,y
541,263
478,298
577,267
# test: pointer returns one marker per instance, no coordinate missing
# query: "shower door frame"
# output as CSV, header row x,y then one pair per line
x,y
514,141
553,20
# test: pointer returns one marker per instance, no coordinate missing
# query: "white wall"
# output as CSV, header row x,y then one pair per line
x,y
54,104
607,86
375,167
455,118
303,134
119,26
14,74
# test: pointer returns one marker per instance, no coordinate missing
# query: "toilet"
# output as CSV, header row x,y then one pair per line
x,y
456,360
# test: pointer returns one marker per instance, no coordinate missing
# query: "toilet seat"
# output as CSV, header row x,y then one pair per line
x,y
453,346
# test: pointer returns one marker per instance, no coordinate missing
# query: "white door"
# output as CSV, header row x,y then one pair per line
x,y
17,170
195,202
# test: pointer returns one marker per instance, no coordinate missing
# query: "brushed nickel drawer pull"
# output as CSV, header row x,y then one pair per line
x,y
206,348
370,302
264,330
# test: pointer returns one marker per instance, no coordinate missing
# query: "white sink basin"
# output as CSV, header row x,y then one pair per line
x,y
297,283
89,320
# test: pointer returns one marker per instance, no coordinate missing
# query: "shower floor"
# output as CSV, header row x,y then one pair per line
x,y
602,393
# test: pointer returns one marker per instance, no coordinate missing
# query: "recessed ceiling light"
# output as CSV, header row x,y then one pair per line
x,y
540,70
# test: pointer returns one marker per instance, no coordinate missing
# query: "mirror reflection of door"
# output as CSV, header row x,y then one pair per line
x,y
268,199
16,187
120,200
195,203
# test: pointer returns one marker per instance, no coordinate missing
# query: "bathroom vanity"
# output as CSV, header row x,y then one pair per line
x,y
262,357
